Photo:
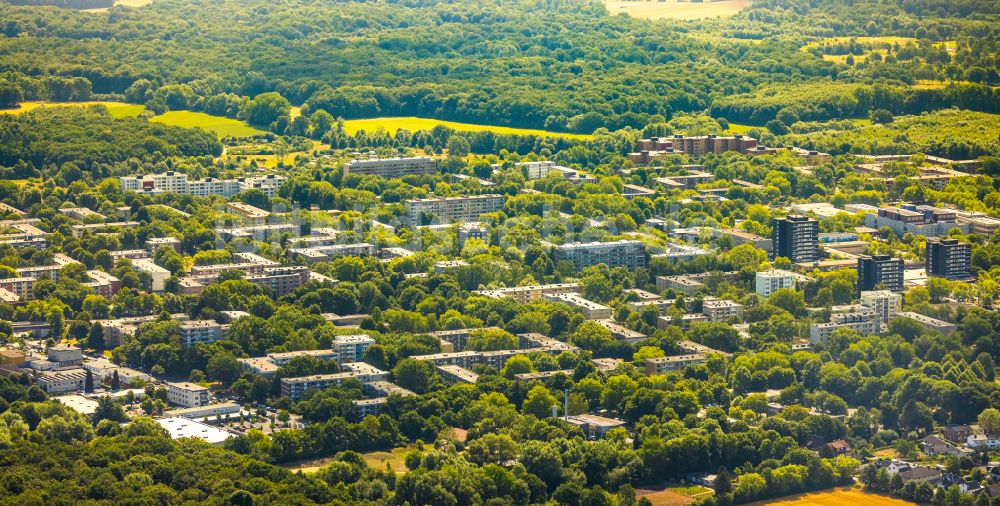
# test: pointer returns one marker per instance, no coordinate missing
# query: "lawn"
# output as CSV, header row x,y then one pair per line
x,y
223,127
837,497
674,9
391,124
116,109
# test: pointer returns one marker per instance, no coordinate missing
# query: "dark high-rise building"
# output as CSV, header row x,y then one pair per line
x,y
948,258
795,238
880,270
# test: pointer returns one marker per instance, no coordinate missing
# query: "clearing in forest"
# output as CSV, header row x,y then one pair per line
x,y
674,9
222,126
837,497
413,124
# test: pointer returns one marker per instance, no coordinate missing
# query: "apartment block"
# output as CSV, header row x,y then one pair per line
x,y
885,303
795,238
720,310
591,310
177,182
929,323
325,253
158,274
663,365
250,214
948,258
457,374
351,348
449,209
880,270
189,395
864,322
202,332
524,294
389,168
295,388
624,253
768,282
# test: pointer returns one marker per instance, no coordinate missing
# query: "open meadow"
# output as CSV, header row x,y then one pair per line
x,y
116,109
837,497
222,126
413,124
674,9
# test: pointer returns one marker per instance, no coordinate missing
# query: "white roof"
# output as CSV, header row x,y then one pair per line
x,y
182,427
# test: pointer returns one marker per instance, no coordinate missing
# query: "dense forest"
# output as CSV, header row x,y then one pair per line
x,y
560,65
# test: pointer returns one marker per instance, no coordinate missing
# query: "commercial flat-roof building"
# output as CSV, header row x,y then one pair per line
x,y
948,258
449,209
69,380
928,221
624,253
180,427
795,238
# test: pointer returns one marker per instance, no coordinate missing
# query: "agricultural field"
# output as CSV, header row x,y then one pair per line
x,y
837,497
677,10
413,124
116,109
223,127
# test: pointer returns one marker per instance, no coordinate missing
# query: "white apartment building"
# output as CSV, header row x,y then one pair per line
x,y
177,182
720,310
392,167
351,348
864,322
159,274
449,209
768,282
202,332
885,303
187,394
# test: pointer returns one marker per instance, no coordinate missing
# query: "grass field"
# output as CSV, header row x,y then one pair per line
x,y
116,109
223,127
395,458
413,124
126,3
871,44
674,9
837,497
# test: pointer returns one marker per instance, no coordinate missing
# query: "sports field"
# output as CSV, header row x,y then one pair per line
x,y
674,9
391,124
222,126
116,109
837,497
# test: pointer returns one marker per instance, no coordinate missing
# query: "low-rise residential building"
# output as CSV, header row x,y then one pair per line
x,y
449,209
864,322
661,365
591,310
720,310
594,426
629,254
390,168
202,332
620,332
187,394
524,294
929,323
457,374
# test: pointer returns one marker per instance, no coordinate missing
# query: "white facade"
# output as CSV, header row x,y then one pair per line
x,y
884,302
768,282
187,394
